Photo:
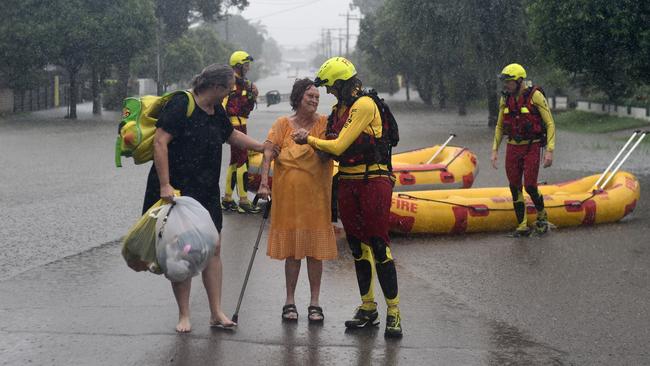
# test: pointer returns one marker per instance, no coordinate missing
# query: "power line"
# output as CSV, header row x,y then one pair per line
x,y
288,2
285,10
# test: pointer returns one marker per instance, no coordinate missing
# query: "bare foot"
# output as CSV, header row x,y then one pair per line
x,y
184,325
221,320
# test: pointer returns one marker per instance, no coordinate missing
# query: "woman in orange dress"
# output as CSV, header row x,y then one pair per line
x,y
302,188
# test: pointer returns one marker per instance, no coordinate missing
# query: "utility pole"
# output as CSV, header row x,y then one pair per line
x,y
322,42
348,17
326,38
159,34
329,43
226,27
347,34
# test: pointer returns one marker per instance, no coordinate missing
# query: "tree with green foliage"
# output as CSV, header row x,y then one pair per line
x,y
449,49
184,57
128,27
182,60
73,34
72,39
605,42
211,48
24,46
500,36
177,15
241,34
379,65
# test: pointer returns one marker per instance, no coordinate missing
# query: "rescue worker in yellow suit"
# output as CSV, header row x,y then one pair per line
x,y
238,105
356,138
525,118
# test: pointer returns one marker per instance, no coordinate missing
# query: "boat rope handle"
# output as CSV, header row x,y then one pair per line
x,y
483,209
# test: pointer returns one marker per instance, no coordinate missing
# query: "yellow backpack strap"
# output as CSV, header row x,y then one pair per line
x,y
190,103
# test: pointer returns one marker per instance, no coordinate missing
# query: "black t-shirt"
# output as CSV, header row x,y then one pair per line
x,y
195,150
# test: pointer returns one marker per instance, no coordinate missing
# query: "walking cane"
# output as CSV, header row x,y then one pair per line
x,y
620,163
602,176
267,211
451,136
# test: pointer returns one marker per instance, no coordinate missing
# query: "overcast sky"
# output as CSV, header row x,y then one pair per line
x,y
299,22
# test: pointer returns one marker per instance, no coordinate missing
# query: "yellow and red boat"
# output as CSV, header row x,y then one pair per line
x,y
457,211
453,167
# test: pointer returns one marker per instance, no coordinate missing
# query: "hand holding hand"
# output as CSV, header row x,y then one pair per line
x,y
276,150
300,136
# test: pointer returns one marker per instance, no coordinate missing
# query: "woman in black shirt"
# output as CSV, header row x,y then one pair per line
x,y
187,157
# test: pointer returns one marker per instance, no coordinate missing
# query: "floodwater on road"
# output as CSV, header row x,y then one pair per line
x,y
576,296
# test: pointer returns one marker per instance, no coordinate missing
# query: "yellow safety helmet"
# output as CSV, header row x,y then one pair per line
x,y
336,68
240,57
513,72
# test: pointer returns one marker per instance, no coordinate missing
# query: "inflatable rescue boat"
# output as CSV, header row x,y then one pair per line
x,y
458,211
452,167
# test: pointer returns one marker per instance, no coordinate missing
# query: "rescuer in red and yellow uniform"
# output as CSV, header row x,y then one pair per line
x,y
356,140
525,118
239,104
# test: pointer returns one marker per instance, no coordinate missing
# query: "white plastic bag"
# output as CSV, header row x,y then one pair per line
x,y
186,238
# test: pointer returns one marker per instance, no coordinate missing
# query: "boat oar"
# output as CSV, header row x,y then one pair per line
x,y
602,176
638,141
451,136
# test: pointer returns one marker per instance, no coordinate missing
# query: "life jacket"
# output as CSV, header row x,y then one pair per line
x,y
366,149
241,100
521,118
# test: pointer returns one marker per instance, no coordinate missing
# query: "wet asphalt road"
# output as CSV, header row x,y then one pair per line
x,y
575,297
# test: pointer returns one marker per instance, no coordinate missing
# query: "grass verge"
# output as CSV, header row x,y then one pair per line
x,y
580,121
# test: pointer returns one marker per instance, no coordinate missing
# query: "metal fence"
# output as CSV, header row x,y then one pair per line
x,y
40,98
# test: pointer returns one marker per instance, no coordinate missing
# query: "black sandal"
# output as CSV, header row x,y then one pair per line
x,y
289,309
315,310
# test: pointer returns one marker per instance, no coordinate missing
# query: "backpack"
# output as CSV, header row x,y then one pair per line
x,y
388,121
138,125
388,140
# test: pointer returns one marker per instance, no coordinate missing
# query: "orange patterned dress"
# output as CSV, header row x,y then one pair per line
x,y
302,188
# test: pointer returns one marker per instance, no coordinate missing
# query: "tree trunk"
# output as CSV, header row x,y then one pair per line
x,y
462,106
492,101
123,73
97,97
408,87
463,92
72,114
442,93
424,90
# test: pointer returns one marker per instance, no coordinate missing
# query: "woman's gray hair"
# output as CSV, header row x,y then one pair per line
x,y
211,76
